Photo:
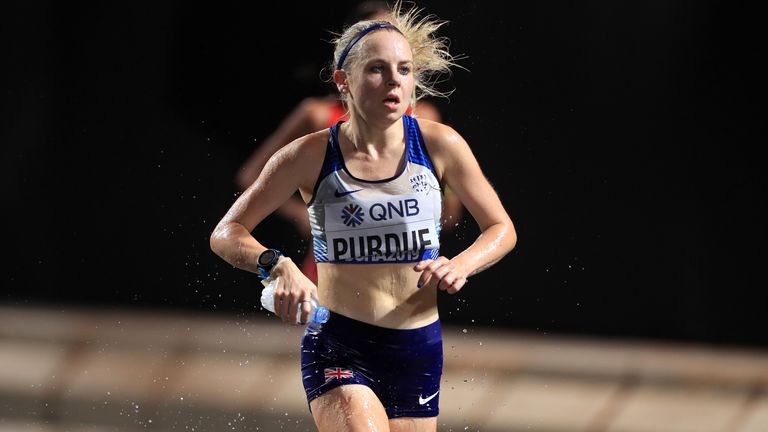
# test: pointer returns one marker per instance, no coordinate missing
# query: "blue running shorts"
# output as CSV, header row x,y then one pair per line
x,y
402,366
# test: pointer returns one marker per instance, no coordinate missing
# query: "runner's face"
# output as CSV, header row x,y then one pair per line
x,y
383,82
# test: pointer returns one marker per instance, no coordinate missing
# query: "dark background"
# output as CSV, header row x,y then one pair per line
x,y
623,138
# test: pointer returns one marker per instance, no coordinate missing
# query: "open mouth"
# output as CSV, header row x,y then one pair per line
x,y
392,99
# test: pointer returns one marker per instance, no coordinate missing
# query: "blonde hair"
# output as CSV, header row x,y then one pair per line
x,y
431,59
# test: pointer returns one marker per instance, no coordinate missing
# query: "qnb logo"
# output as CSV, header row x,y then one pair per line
x,y
389,211
352,215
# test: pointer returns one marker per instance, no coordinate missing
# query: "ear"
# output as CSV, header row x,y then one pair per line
x,y
340,78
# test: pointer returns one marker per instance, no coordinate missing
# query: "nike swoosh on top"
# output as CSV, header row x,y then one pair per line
x,y
422,400
339,194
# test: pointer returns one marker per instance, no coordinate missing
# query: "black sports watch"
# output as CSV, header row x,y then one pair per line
x,y
267,260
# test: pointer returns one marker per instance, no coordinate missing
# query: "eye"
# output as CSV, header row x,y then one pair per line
x,y
405,70
377,69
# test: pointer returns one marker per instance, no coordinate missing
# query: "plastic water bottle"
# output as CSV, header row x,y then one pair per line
x,y
318,315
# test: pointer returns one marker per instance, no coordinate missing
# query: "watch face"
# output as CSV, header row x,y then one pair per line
x,y
267,257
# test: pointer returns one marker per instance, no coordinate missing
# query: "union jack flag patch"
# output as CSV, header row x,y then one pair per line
x,y
337,373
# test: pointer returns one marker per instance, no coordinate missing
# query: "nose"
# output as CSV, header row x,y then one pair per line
x,y
393,79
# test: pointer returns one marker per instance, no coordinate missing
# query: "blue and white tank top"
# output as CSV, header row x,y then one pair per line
x,y
395,220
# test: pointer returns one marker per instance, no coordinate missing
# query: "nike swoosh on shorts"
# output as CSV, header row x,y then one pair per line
x,y
422,400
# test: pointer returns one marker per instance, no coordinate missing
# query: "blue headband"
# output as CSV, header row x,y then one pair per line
x,y
359,36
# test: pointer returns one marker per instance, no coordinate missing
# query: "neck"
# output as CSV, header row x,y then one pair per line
x,y
370,139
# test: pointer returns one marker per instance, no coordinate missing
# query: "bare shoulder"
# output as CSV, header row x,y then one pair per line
x,y
303,157
306,149
446,147
440,138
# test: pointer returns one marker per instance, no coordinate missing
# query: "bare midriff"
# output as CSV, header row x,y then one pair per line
x,y
385,295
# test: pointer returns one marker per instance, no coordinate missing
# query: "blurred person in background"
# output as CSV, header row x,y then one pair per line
x,y
373,186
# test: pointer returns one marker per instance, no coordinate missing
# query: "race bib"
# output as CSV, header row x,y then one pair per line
x,y
399,229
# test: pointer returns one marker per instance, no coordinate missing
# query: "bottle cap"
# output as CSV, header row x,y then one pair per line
x,y
321,315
